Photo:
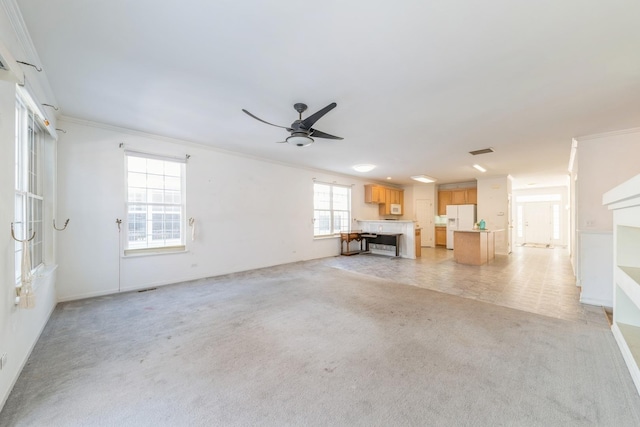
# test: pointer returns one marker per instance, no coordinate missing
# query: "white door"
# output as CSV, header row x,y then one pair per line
x,y
424,216
537,223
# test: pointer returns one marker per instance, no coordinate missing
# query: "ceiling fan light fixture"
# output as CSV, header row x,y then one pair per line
x,y
363,167
423,178
300,140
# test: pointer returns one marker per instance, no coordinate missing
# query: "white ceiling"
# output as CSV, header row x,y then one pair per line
x,y
418,83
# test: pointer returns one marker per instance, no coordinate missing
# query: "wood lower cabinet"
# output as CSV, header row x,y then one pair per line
x,y
418,242
441,236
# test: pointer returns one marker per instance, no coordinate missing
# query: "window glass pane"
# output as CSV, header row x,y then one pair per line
x,y
322,196
172,183
155,181
173,197
341,198
172,169
136,179
136,164
137,194
155,166
322,223
340,221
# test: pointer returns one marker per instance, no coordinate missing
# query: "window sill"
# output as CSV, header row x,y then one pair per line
x,y
332,236
136,253
41,275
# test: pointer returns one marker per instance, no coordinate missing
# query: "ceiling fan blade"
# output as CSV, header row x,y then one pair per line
x,y
263,121
309,121
281,142
319,134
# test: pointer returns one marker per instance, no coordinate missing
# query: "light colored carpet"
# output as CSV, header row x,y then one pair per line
x,y
306,344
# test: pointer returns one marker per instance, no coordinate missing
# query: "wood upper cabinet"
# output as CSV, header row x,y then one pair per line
x,y
464,196
374,194
444,199
472,196
458,197
384,197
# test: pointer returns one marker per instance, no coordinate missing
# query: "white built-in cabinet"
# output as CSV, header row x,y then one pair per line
x,y
624,201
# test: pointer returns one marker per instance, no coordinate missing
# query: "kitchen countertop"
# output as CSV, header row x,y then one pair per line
x,y
477,231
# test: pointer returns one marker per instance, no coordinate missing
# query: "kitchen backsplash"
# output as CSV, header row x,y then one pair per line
x,y
440,220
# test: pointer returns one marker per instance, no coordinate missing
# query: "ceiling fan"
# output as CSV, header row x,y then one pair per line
x,y
301,130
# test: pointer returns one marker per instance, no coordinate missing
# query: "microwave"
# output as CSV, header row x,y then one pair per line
x,y
396,209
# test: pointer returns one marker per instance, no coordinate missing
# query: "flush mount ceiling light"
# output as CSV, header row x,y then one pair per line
x,y
423,178
364,167
480,168
300,140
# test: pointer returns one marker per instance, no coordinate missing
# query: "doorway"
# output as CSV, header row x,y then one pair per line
x,y
424,217
538,220
537,223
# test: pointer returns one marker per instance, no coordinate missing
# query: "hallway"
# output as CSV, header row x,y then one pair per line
x,y
536,280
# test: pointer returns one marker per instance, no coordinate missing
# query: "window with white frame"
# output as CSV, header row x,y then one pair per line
x,y
29,199
155,203
332,209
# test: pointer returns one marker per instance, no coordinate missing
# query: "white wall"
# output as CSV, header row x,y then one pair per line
x,y
604,161
493,207
249,213
20,328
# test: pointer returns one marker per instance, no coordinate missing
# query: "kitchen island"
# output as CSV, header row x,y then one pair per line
x,y
474,247
403,230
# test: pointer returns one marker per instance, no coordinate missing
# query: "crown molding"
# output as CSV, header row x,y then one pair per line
x,y
28,49
607,134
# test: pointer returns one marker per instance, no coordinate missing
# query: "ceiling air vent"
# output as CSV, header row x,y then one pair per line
x,y
483,151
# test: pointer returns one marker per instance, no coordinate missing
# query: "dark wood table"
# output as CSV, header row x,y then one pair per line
x,y
348,237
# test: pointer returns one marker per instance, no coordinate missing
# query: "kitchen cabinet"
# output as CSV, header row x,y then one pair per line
x,y
472,196
384,197
458,197
374,193
624,201
441,236
462,196
444,199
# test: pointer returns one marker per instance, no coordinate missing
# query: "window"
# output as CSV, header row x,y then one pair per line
x,y
332,209
155,203
29,200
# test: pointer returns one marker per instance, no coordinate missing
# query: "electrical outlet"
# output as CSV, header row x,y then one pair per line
x,y
3,360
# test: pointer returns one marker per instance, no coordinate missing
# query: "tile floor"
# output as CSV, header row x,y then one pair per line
x,y
537,280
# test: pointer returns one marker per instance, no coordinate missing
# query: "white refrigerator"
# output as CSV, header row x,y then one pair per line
x,y
459,217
